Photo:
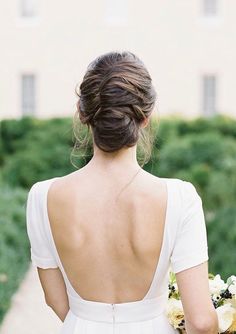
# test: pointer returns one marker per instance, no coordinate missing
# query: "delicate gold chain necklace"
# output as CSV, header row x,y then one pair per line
x,y
128,182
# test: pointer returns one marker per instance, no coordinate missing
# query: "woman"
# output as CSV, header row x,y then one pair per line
x,y
103,237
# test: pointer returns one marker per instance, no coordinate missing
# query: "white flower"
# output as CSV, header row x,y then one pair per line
x,y
215,296
225,315
216,285
233,279
174,304
232,289
231,302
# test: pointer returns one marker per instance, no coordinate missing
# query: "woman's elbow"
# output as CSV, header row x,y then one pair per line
x,y
48,301
57,303
61,309
204,324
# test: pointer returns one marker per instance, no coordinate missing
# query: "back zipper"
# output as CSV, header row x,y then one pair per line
x,y
113,317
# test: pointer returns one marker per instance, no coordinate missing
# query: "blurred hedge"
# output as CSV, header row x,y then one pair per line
x,y
34,150
202,151
14,247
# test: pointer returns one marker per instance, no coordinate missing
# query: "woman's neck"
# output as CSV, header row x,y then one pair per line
x,y
124,159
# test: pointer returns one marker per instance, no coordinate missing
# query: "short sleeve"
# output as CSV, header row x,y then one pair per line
x,y
190,247
41,252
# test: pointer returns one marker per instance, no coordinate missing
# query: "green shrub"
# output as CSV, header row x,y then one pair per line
x,y
14,245
13,132
222,241
208,160
42,152
175,126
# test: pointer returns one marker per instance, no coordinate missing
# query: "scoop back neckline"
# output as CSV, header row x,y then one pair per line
x,y
144,299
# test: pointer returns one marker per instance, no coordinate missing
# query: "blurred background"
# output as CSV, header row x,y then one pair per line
x,y
189,48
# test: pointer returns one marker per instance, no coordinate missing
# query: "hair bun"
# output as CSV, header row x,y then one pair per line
x,y
113,129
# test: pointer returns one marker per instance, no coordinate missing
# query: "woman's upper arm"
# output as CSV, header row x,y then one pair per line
x,y
194,290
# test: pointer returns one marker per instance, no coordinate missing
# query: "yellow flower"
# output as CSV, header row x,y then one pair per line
x,y
225,315
232,328
175,312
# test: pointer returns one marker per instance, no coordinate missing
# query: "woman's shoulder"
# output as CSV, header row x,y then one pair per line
x,y
187,191
39,185
183,185
57,184
55,187
39,189
175,181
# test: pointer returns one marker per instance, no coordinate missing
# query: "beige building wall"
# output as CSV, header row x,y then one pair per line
x,y
177,41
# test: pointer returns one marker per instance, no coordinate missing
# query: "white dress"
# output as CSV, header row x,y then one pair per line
x,y
184,246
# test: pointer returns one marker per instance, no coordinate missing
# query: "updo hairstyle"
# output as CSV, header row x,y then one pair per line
x,y
115,97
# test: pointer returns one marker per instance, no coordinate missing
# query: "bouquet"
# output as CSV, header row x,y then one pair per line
x,y
223,295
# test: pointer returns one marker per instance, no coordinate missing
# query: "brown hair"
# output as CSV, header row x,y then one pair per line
x,y
115,96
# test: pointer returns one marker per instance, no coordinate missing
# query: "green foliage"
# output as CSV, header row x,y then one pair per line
x,y
14,246
221,229
41,152
208,160
171,127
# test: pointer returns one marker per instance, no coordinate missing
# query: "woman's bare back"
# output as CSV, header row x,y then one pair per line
x,y
109,246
